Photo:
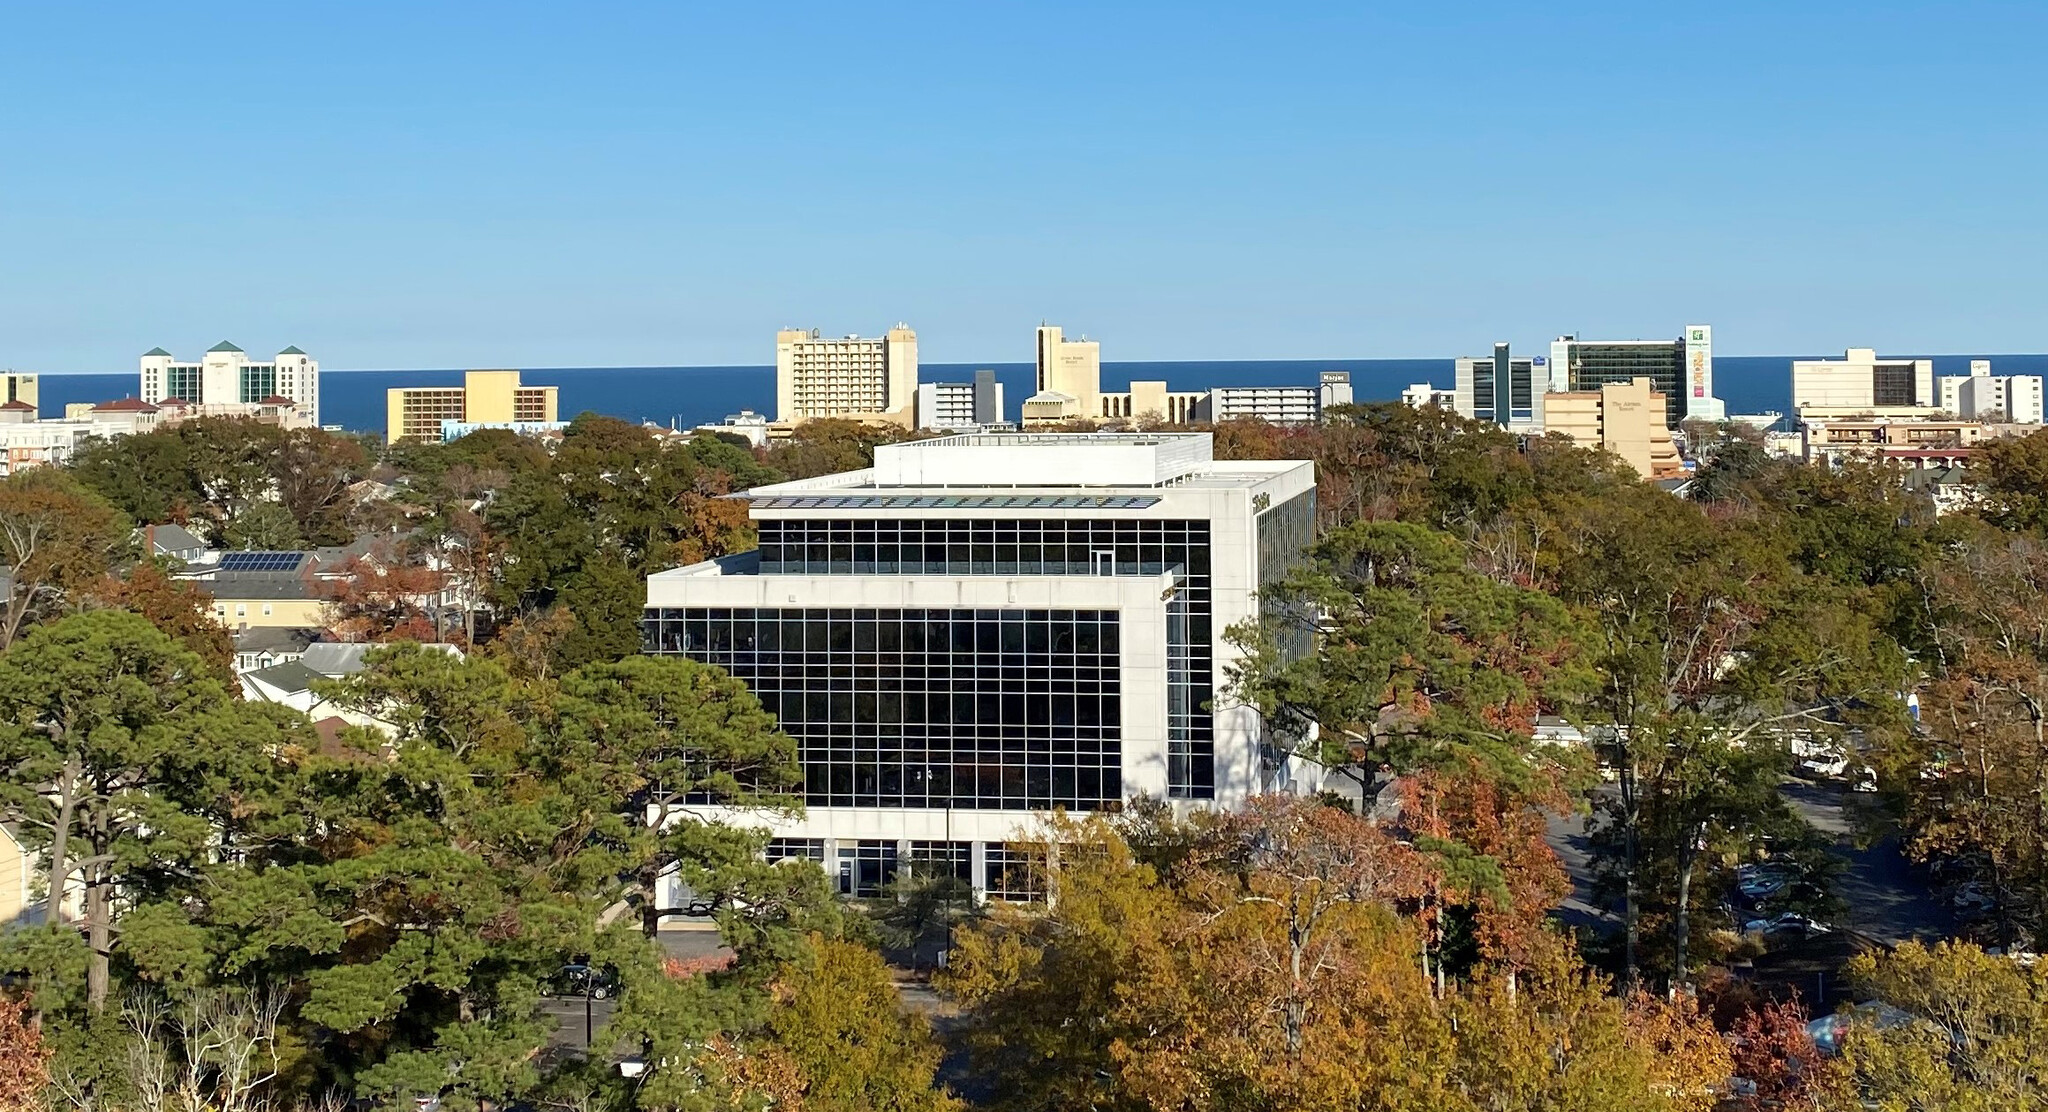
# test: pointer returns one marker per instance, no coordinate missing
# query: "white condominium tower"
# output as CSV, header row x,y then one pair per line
x,y
849,376
226,376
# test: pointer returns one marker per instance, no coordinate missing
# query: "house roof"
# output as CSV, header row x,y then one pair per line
x,y
277,399
336,658
173,538
292,350
258,585
155,352
289,639
18,406
290,677
125,405
224,346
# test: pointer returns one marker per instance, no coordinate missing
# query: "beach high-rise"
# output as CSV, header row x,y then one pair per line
x,y
846,376
226,375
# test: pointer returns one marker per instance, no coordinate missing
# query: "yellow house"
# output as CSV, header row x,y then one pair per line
x,y
16,889
266,590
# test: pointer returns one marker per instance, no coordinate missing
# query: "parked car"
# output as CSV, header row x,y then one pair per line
x,y
1826,1032
1786,923
1756,882
579,979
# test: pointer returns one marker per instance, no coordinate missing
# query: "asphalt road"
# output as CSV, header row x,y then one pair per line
x,y
569,1012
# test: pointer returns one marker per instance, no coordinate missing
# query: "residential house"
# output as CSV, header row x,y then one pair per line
x,y
262,646
176,542
292,683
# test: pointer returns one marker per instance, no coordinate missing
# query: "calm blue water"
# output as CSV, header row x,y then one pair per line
x,y
694,395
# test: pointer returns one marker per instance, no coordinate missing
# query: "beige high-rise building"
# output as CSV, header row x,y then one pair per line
x,y
849,376
20,388
1070,369
1626,418
484,398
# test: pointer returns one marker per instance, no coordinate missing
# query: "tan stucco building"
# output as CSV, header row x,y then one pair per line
x,y
1626,418
846,376
484,398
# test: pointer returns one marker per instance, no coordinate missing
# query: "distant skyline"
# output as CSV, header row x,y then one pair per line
x,y
462,184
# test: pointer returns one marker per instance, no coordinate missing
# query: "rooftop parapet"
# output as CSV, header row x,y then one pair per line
x,y
1043,460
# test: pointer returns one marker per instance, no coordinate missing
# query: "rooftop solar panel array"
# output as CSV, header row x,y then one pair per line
x,y
261,561
957,502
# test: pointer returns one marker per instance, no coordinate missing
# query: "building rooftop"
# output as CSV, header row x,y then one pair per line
x,y
1042,460
258,639
292,350
154,352
1022,471
173,538
258,586
224,346
288,678
125,405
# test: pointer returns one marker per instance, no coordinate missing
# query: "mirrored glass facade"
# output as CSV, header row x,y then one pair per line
x,y
973,709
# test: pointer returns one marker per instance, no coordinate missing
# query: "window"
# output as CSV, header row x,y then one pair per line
x,y
987,709
865,867
939,858
241,610
1014,872
803,849
940,751
266,609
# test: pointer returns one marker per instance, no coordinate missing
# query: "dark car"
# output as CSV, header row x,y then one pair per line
x,y
579,979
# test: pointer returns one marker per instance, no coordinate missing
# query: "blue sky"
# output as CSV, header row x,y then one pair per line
x,y
456,184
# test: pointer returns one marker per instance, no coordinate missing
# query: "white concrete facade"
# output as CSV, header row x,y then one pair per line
x,y
226,375
1981,395
1024,482
1280,405
960,406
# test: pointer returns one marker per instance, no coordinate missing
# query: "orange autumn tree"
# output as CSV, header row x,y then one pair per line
x,y
1280,967
182,609
383,595
24,1058
1408,664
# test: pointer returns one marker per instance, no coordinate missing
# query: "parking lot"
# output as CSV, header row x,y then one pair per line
x,y
1886,897
696,940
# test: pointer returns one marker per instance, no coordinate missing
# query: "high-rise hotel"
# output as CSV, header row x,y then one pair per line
x,y
845,376
226,375
981,628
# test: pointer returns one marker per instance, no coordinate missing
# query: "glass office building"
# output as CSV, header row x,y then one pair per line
x,y
984,628
1682,370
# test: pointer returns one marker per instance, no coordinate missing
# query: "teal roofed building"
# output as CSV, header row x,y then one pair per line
x,y
226,382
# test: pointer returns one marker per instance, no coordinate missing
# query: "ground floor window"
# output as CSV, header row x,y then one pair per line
x,y
803,849
940,858
865,867
1014,873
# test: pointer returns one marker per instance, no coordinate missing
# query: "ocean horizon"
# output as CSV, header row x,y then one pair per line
x,y
686,396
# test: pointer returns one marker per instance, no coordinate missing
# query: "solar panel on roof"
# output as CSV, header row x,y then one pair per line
x,y
260,561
